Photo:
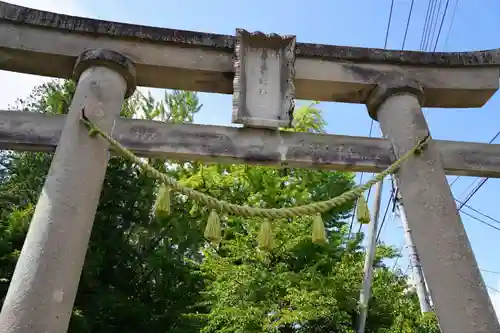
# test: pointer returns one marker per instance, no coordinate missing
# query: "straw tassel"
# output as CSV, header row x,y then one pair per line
x,y
213,229
266,241
362,211
318,230
162,205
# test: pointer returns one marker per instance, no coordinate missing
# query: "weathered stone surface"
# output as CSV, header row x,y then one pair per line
x,y
24,15
44,285
456,287
264,80
28,131
44,43
111,59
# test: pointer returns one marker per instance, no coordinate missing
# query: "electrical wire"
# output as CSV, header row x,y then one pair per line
x,y
478,212
488,271
429,23
481,183
434,25
371,125
494,289
397,258
351,224
388,24
491,141
360,182
471,185
481,221
407,269
451,24
471,216
385,216
407,24
393,217
441,25
474,191
424,28
392,197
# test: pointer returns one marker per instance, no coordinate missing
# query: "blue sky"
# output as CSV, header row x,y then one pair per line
x,y
342,22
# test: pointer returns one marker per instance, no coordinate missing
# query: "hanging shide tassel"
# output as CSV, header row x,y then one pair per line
x,y
362,211
213,230
265,240
162,205
318,230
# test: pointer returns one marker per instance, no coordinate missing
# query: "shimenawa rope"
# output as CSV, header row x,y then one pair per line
x,y
247,211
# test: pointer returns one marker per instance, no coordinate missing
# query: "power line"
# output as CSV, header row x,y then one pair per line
x,y
478,187
494,289
393,190
388,24
393,217
481,221
451,24
474,191
488,271
471,216
434,25
407,24
441,25
385,215
372,121
471,185
424,29
399,256
360,181
429,24
478,212
392,199
491,141
407,269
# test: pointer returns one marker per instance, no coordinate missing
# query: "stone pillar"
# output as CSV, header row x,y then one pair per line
x,y
45,282
456,286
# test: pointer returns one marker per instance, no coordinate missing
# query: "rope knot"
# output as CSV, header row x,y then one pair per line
x,y
93,130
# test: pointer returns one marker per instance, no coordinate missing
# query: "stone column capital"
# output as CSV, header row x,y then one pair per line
x,y
110,59
392,84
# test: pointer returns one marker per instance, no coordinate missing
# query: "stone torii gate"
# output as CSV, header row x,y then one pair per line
x,y
265,73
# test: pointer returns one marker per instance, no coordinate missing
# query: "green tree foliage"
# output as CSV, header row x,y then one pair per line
x,y
298,286
136,277
157,274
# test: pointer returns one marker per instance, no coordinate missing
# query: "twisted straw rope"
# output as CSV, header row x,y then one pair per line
x,y
246,211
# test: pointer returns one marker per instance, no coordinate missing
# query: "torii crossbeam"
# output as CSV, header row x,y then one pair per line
x,y
265,73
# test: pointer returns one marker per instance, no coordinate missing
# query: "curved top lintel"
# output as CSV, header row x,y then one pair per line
x,y
43,19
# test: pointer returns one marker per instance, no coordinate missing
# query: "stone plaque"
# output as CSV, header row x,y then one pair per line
x,y
264,87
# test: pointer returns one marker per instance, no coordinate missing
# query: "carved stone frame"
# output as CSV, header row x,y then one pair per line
x,y
252,45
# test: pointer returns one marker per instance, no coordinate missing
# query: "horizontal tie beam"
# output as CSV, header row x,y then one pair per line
x,y
28,131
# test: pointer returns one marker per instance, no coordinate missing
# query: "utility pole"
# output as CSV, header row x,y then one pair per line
x,y
365,293
417,272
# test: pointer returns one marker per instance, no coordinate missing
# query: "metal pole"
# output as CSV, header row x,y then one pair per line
x,y
417,273
365,294
44,285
